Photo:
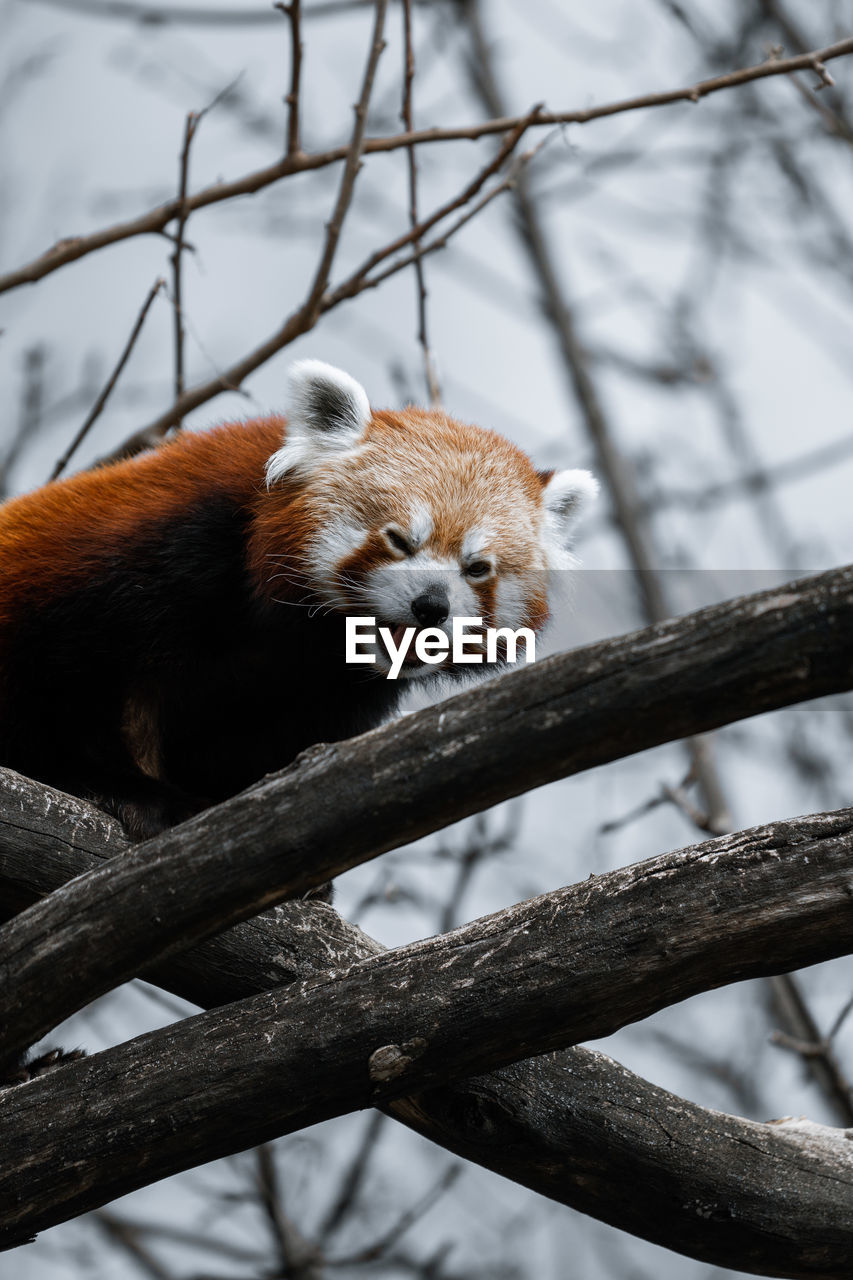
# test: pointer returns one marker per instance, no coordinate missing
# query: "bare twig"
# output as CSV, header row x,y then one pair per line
x,y
298,1259
406,1220
155,15
360,281
815,1049
835,118
574,1126
614,467
833,122
433,389
126,1235
129,1232
480,846
177,291
353,1178
98,406
794,469
312,307
293,13
155,220
303,319
31,413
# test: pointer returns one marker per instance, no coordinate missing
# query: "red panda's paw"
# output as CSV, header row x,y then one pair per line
x,y
144,819
146,808
29,1069
324,892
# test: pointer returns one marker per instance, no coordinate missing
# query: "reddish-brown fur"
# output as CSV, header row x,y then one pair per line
x,y
145,636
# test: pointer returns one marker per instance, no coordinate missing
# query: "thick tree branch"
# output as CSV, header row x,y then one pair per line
x,y
576,963
73,247
340,805
574,1126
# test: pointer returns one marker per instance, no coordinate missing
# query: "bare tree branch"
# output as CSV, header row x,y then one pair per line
x,y
433,389
293,12
822,1062
72,248
98,406
340,805
576,963
180,15
614,468
574,1126
307,314
31,415
177,253
298,1259
311,308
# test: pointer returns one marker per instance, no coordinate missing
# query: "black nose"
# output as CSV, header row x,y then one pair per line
x,y
431,607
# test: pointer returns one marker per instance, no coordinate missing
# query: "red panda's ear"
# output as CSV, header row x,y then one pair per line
x,y
565,497
327,413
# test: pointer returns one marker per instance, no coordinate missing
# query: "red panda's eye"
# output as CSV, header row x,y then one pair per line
x,y
398,542
478,569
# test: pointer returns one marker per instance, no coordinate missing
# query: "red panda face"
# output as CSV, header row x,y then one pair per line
x,y
414,519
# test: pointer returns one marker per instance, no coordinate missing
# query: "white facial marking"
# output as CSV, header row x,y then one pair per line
x,y
333,544
391,588
476,542
511,601
421,525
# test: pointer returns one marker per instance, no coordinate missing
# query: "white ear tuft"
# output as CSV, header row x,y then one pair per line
x,y
327,414
565,497
326,399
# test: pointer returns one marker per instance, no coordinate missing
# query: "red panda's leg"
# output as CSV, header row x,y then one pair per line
x,y
144,806
27,1068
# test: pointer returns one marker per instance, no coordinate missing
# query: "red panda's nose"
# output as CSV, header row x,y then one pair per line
x,y
431,607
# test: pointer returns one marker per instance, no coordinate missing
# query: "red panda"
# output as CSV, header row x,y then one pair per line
x,y
172,626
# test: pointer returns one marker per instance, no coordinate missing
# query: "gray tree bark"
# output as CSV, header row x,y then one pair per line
x,y
574,1126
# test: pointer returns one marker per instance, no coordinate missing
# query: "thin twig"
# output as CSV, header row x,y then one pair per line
x,y
294,14
821,1060
124,1229
794,469
402,1225
301,320
351,168
102,399
353,1177
194,119
126,1235
480,846
298,1259
433,388
155,220
31,414
833,122
177,291
614,467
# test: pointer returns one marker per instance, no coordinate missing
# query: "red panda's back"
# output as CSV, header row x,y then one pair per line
x,y
54,537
